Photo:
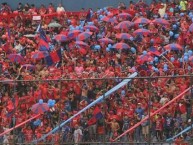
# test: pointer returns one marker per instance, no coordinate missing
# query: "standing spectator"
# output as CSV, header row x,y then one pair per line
x,y
159,127
20,7
51,8
77,134
60,8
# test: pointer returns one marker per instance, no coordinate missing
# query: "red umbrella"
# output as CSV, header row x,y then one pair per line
x,y
84,35
81,43
120,46
106,40
173,46
39,54
124,15
61,38
123,36
91,28
15,58
124,25
141,32
161,21
142,21
109,19
73,34
40,107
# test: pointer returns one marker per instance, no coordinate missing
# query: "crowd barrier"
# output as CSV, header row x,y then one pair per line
x,y
18,137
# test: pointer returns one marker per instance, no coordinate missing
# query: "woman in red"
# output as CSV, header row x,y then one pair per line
x,y
159,127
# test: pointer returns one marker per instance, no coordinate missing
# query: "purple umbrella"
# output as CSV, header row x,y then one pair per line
x,y
106,40
61,38
91,28
39,54
161,21
84,35
124,36
141,32
173,46
124,15
142,21
73,34
81,43
109,19
191,28
40,107
15,58
120,46
124,25
28,66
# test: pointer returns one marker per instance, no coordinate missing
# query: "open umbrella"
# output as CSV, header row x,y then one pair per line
x,y
61,38
124,36
81,43
141,32
109,19
191,28
142,21
39,54
84,35
91,28
124,15
73,34
28,66
15,58
54,25
120,46
173,46
124,25
160,21
40,107
106,40
145,58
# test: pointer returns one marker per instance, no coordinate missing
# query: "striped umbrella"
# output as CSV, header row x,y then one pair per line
x,y
124,36
109,19
28,66
161,21
173,46
124,25
124,15
61,38
15,58
142,21
40,108
39,54
84,35
81,43
106,40
120,46
91,28
141,32
73,34
145,58
191,28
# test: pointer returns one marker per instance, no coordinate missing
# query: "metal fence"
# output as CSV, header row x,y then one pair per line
x,y
73,91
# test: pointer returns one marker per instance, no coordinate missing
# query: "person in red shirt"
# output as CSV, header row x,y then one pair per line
x,y
159,127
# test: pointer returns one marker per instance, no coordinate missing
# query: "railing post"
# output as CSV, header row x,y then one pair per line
x,y
149,111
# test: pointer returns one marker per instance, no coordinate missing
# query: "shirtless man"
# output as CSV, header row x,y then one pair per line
x,y
114,128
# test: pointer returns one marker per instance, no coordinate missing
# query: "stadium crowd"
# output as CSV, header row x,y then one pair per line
x,y
153,40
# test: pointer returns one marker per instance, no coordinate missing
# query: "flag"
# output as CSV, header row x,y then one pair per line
x,y
56,55
49,60
88,16
9,33
154,51
96,116
43,41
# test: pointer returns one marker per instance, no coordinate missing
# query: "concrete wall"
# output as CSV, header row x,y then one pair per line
x,y
72,5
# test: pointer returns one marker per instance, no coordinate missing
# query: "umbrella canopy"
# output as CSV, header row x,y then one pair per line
x,y
91,28
84,35
40,108
81,43
109,19
145,58
73,34
120,46
160,21
124,36
39,54
124,25
124,15
15,58
191,28
142,21
54,25
28,66
106,40
141,32
173,46
61,38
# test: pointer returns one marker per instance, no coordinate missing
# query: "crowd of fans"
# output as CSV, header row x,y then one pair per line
x,y
96,58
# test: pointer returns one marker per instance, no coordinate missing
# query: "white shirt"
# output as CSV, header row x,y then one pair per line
x,y
60,9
